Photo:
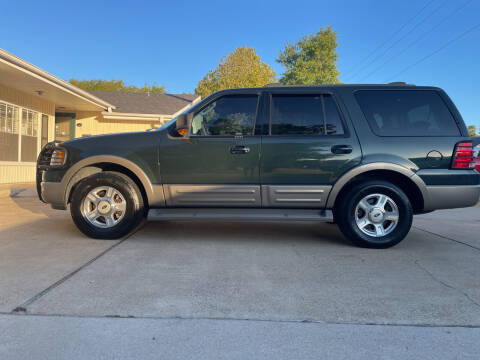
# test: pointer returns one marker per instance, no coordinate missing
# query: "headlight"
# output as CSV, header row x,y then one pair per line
x,y
58,157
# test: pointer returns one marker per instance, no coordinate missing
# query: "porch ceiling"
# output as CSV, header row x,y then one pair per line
x,y
22,76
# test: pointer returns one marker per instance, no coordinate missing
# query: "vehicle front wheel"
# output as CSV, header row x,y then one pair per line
x,y
107,205
374,214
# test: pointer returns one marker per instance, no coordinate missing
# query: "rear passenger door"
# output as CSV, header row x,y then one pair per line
x,y
307,147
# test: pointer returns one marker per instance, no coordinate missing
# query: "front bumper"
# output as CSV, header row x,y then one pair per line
x,y
53,193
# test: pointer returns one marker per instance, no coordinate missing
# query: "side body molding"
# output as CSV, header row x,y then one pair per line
x,y
337,187
154,192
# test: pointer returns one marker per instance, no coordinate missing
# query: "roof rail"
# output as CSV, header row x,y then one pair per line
x,y
273,84
399,83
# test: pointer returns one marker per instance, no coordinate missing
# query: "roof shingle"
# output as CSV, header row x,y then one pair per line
x,y
143,103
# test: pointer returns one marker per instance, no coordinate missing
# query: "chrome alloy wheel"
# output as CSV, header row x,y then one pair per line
x,y
376,215
104,207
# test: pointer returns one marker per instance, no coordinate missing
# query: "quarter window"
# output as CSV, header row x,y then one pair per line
x,y
407,113
227,116
305,115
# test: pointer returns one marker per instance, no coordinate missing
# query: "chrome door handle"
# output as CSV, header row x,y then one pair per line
x,y
239,149
341,149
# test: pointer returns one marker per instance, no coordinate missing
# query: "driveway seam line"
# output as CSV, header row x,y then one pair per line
x,y
447,238
417,262
294,321
24,305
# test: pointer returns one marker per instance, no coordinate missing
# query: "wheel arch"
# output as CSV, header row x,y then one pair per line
x,y
404,178
95,164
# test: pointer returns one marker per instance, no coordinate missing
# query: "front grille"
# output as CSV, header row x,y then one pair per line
x,y
43,163
43,160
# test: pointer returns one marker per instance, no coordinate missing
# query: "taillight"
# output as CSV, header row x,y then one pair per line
x,y
463,156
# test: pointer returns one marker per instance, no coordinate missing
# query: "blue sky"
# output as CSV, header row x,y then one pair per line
x,y
175,43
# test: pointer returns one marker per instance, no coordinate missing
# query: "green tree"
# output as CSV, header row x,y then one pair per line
x,y
472,130
115,85
239,69
311,60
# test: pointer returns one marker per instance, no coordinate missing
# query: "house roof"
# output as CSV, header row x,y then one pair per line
x,y
23,76
144,103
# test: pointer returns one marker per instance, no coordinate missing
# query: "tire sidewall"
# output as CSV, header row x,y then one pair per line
x,y
133,213
349,226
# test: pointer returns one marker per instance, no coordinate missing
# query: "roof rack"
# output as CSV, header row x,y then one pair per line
x,y
398,83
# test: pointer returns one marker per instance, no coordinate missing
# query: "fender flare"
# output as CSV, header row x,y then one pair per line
x,y
71,173
349,175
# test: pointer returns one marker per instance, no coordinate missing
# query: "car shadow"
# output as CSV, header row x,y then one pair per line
x,y
57,220
226,231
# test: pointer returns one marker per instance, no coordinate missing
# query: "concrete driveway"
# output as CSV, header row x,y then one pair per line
x,y
235,290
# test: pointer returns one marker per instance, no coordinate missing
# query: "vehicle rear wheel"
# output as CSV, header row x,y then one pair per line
x,y
107,205
374,214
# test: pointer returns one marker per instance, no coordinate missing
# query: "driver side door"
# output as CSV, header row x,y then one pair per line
x,y
217,165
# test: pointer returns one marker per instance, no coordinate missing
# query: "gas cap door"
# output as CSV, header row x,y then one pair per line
x,y
434,158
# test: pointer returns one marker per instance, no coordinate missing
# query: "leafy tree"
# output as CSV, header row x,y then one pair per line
x,y
239,69
311,60
472,130
115,85
155,89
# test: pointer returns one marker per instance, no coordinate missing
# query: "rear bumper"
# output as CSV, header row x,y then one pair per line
x,y
451,196
449,189
54,194
449,177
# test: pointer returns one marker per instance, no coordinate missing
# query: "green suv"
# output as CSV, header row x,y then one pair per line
x,y
367,157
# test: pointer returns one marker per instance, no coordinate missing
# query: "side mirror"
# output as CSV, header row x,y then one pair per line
x,y
183,124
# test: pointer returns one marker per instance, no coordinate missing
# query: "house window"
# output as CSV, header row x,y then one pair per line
x,y
29,135
19,131
8,132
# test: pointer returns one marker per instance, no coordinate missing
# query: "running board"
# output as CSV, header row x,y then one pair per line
x,y
240,214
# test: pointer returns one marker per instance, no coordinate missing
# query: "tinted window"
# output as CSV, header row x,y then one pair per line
x,y
297,115
303,115
333,119
227,116
407,113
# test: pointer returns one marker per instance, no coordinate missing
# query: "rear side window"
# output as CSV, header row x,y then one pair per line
x,y
305,115
407,113
333,121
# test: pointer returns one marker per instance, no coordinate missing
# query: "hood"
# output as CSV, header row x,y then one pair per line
x,y
127,145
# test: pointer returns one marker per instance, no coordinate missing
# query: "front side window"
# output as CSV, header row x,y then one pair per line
x,y
305,115
226,116
407,113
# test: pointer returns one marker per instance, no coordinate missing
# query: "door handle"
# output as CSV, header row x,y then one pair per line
x,y
341,149
239,149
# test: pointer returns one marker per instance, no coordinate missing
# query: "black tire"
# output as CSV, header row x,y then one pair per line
x,y
135,209
346,210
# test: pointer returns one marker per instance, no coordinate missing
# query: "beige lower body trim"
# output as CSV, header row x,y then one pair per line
x,y
295,196
212,195
268,196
